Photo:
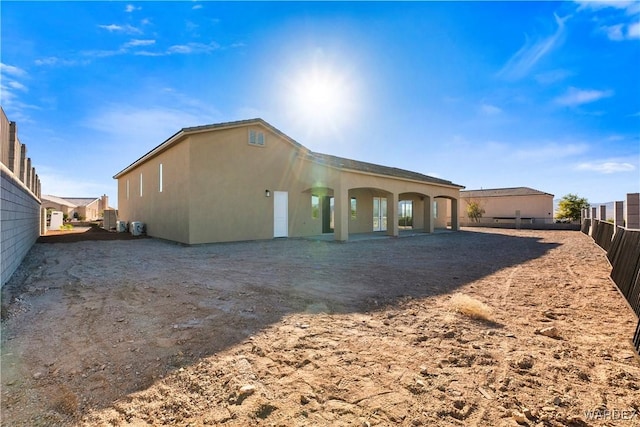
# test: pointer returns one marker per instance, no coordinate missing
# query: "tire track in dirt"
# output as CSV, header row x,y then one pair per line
x,y
488,399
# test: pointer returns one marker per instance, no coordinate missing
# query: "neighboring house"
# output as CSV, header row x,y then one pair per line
x,y
500,205
87,208
57,204
246,180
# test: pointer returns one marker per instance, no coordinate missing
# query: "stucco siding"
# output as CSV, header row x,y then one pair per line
x,y
165,213
538,207
229,179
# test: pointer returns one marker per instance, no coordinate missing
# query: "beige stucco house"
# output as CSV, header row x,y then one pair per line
x,y
87,208
502,204
246,180
57,204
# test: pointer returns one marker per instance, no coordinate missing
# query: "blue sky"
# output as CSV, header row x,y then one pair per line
x,y
485,94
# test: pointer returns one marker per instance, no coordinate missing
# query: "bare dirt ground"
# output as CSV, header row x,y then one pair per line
x,y
307,333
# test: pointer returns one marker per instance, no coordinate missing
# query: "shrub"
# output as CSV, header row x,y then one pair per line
x,y
471,307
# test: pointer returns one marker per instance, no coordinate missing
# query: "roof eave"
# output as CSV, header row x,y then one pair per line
x,y
175,138
345,169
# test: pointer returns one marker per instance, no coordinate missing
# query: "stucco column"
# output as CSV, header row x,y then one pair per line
x,y
618,215
341,213
455,205
23,163
603,213
392,214
633,211
428,215
594,216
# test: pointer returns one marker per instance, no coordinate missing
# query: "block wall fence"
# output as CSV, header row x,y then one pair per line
x,y
20,206
622,245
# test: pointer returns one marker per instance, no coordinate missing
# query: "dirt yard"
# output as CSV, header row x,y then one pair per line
x,y
309,333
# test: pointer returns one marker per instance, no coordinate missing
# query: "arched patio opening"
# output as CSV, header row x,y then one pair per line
x,y
446,210
414,212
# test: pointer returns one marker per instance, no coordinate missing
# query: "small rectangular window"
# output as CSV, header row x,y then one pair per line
x,y
315,207
160,179
140,184
127,189
256,138
353,208
435,209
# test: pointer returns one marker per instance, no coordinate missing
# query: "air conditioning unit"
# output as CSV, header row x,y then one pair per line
x,y
136,228
122,226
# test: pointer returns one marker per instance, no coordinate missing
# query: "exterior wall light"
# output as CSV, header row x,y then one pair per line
x,y
267,193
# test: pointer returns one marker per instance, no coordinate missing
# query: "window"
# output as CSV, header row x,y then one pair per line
x,y
315,206
127,189
256,138
160,179
353,208
435,209
140,184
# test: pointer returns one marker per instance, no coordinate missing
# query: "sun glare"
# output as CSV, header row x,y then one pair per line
x,y
321,98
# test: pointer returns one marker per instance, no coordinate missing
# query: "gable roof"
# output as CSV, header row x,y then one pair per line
x,y
503,192
58,200
356,165
81,201
319,158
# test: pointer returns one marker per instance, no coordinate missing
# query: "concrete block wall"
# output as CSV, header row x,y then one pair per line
x,y
20,218
19,222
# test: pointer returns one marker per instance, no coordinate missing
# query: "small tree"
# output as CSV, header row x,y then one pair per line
x,y
474,211
570,207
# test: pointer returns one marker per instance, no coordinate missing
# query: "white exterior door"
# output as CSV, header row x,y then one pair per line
x,y
379,214
280,214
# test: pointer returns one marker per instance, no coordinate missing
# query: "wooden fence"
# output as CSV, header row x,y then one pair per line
x,y
623,252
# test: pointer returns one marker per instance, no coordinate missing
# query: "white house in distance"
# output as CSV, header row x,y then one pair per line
x,y
501,204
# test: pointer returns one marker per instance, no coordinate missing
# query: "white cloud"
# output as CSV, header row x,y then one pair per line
x,y
54,60
490,110
9,93
630,7
103,53
148,53
530,54
136,43
196,7
128,29
57,182
550,151
553,76
609,11
193,48
17,85
574,96
614,32
620,32
121,124
11,70
130,8
606,167
633,31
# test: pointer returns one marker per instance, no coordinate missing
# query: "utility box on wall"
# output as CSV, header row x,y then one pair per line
x,y
56,220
